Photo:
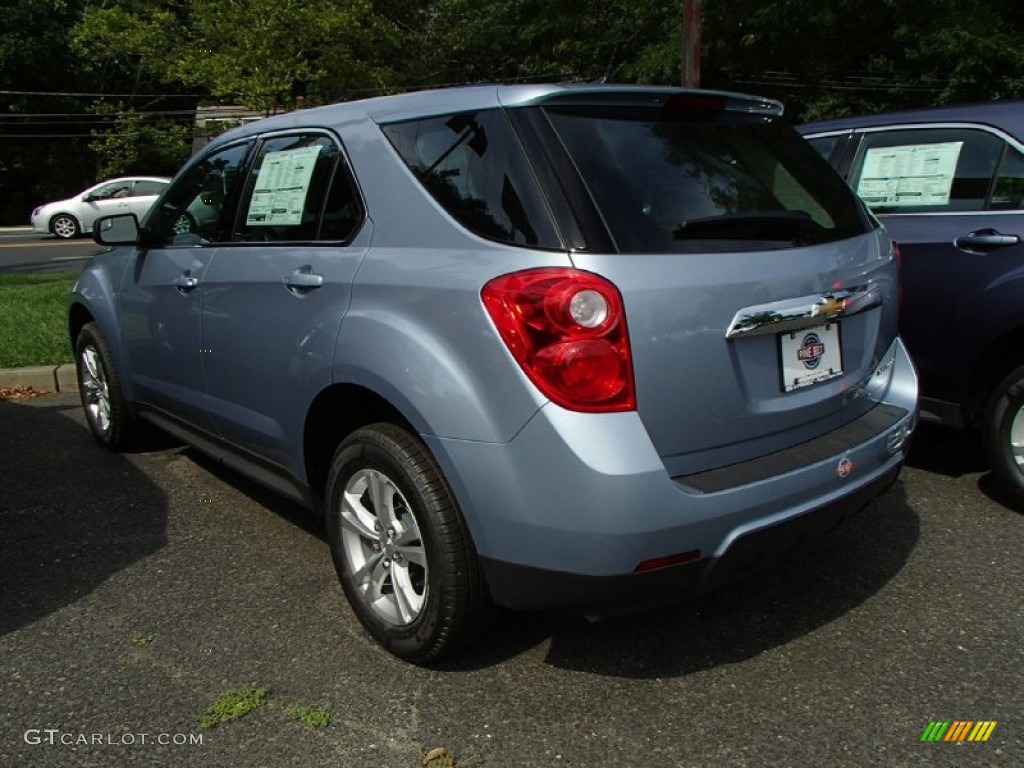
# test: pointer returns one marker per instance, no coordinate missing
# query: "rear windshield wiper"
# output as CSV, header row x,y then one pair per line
x,y
796,227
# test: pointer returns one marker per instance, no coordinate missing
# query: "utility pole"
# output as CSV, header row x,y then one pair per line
x,y
693,20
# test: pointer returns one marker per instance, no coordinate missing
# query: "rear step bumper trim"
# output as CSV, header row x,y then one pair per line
x,y
835,443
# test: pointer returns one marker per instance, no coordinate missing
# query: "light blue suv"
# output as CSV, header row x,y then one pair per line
x,y
587,348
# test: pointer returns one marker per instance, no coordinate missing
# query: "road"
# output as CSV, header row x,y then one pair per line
x,y
23,251
136,589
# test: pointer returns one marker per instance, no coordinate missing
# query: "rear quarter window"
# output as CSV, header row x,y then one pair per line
x,y
474,166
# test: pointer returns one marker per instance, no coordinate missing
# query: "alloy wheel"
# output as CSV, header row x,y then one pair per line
x,y
384,548
95,388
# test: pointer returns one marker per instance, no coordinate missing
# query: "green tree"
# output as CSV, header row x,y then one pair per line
x,y
42,154
486,40
843,57
259,54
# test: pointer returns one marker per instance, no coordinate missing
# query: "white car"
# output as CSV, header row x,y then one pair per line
x,y
75,216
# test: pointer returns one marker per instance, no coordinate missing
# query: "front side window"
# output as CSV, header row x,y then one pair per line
x,y
112,190
198,208
679,180
299,190
926,170
474,167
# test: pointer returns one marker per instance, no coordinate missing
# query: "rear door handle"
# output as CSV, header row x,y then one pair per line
x,y
186,282
984,239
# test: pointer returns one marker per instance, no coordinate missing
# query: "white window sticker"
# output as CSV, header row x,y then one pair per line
x,y
281,187
915,174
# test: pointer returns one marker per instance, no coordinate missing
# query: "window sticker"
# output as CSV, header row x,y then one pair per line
x,y
281,187
910,175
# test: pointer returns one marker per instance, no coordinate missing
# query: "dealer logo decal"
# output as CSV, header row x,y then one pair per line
x,y
811,350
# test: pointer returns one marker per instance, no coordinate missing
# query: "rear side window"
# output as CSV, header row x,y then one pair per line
x,y
927,170
673,180
144,188
474,167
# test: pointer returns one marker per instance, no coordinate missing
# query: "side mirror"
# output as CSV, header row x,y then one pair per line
x,y
122,229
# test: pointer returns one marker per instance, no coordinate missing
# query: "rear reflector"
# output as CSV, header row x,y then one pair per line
x,y
664,562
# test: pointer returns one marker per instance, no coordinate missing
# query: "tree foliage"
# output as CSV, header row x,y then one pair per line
x,y
151,61
256,53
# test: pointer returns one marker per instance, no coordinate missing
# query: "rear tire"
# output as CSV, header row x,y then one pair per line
x,y
99,385
1003,435
401,547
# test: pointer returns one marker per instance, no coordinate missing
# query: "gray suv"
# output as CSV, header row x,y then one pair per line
x,y
586,348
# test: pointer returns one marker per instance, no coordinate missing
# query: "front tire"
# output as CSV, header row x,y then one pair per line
x,y
65,226
99,385
400,546
1003,435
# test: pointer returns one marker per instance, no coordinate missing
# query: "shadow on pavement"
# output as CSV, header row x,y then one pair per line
x,y
956,453
808,591
71,514
949,452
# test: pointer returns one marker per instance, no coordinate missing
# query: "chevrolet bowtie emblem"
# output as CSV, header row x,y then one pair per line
x,y
830,306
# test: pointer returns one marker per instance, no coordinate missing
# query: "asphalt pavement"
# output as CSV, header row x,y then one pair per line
x,y
135,590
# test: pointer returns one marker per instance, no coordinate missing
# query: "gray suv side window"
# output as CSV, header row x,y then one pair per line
x,y
299,189
926,170
473,165
198,208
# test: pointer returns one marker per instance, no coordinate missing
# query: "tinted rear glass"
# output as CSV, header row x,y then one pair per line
x,y
684,181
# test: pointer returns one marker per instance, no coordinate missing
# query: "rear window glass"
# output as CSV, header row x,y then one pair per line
x,y
678,181
472,164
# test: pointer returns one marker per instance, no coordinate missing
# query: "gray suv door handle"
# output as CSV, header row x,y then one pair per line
x,y
186,282
304,279
985,238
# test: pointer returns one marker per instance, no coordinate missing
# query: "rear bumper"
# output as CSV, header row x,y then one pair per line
x,y
564,514
525,588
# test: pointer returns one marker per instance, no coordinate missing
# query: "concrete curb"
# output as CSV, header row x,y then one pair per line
x,y
43,378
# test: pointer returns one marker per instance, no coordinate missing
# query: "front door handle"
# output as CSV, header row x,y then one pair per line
x,y
185,282
304,279
985,239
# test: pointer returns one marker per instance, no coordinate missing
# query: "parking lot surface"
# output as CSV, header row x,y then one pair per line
x,y
135,590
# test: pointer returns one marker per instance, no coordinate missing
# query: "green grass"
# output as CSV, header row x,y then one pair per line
x,y
314,717
232,705
33,319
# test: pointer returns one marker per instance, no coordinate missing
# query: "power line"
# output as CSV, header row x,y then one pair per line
x,y
108,95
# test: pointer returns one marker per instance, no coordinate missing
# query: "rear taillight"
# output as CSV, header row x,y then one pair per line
x,y
567,330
